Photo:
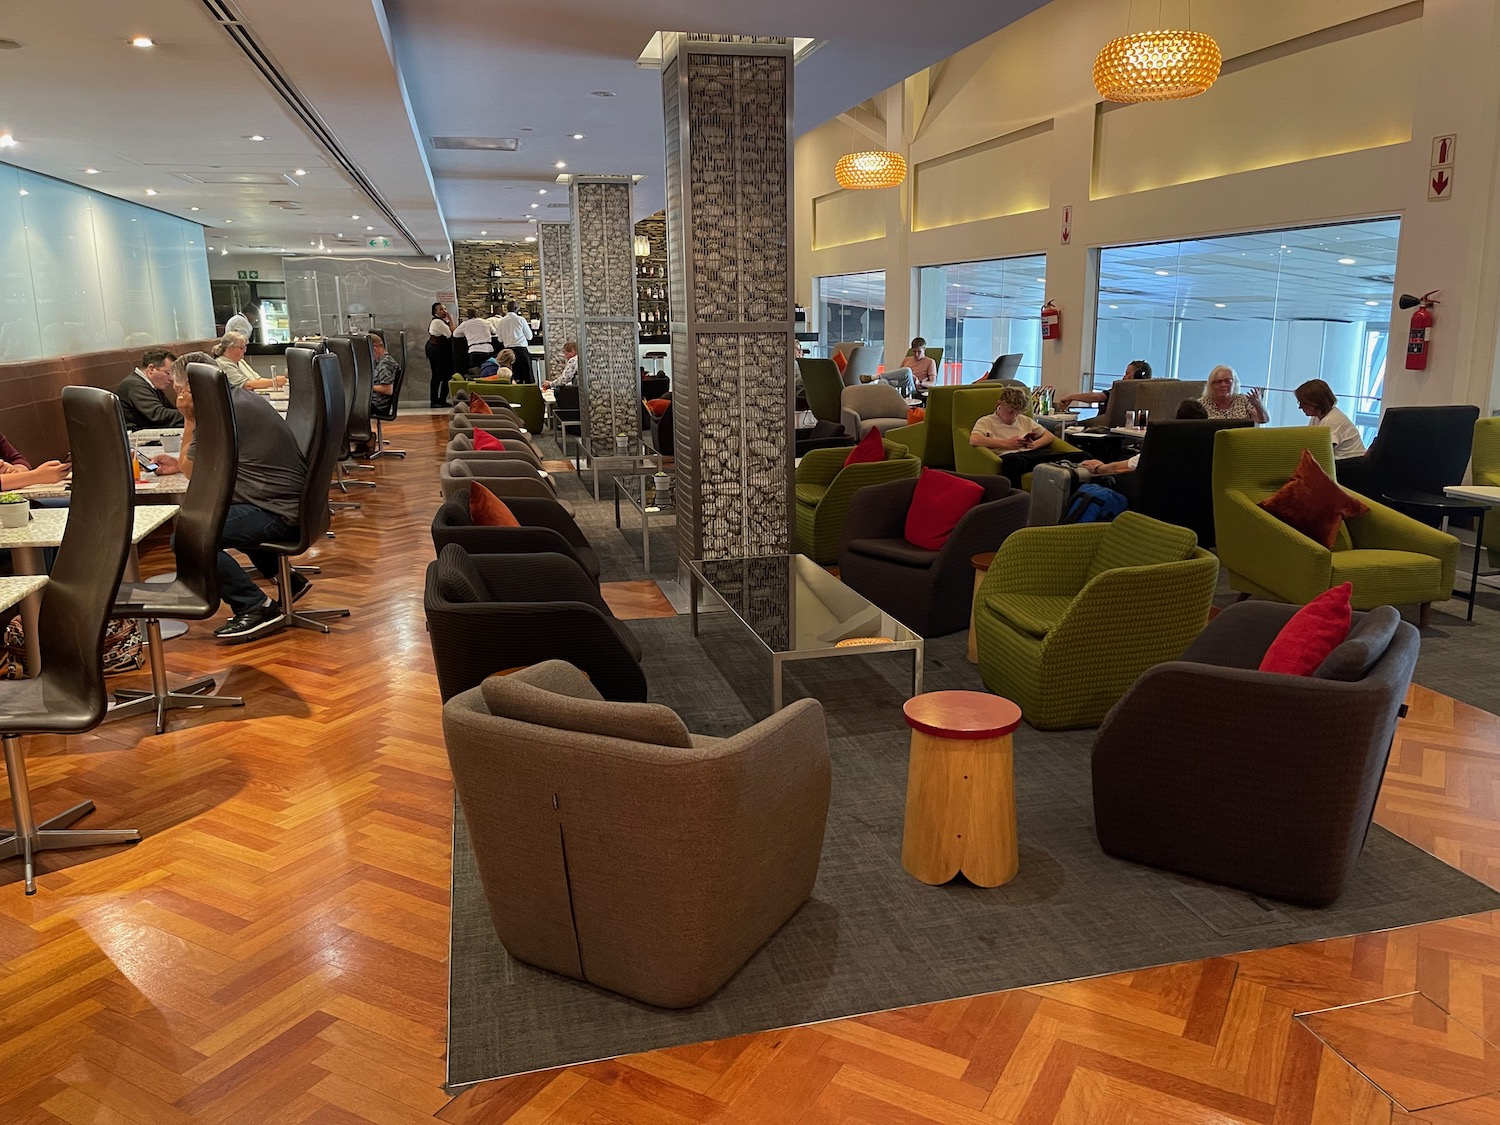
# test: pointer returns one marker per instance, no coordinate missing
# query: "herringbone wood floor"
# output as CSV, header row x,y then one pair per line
x,y
275,949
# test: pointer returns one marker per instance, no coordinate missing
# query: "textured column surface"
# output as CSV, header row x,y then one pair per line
x,y
727,103
559,291
604,261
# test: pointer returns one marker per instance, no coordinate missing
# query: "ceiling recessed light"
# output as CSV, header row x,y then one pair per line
x,y
369,228
91,171
1347,261
484,232
229,220
150,191
1163,273
541,191
602,93
142,41
299,171
968,308
8,141
1367,302
255,137
534,206
578,136
529,238
25,192
355,218
223,251
1114,306
194,208
1042,280
561,164
1220,305
340,234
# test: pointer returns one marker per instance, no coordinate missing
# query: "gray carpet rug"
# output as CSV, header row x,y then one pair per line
x,y
873,938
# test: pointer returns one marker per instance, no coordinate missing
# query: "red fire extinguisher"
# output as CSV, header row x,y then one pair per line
x,y
1051,322
1419,338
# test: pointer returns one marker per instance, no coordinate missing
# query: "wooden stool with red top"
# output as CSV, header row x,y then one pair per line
x,y
960,788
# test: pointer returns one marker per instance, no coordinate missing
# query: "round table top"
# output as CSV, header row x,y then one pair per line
x,y
962,714
983,560
1436,500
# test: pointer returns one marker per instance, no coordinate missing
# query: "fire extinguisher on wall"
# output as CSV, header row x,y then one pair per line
x,y
1051,322
1419,338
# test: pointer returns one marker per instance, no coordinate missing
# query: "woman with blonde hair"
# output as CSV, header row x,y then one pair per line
x,y
1223,399
1316,398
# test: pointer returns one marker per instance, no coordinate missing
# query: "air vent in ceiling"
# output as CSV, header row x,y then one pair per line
x,y
260,179
482,144
285,204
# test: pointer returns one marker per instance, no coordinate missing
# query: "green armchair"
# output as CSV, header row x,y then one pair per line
x,y
824,386
1391,559
932,438
1486,470
969,405
825,486
526,398
1068,617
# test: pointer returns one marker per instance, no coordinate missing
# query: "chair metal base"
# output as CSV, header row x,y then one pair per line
x,y
161,698
292,617
53,834
338,505
381,444
345,484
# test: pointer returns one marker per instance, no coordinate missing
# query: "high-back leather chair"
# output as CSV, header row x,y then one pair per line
x,y
302,395
387,413
1005,367
358,431
1416,452
193,595
342,349
312,521
66,695
1160,398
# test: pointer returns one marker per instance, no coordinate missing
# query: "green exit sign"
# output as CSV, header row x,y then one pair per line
x,y
249,275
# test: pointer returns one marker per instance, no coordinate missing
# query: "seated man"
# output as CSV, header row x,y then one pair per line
x,y
569,374
266,503
386,370
143,394
920,364
1135,369
1010,432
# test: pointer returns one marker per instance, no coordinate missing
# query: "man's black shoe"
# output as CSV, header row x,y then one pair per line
x,y
250,624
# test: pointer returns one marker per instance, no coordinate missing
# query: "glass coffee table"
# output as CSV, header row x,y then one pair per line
x,y
632,458
645,495
798,611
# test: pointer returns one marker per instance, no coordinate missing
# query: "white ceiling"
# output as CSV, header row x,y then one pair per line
x,y
175,118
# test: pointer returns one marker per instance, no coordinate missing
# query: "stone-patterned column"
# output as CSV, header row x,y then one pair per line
x,y
728,104
559,291
604,260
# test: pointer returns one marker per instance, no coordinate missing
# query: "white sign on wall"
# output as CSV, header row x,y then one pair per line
x,y
1440,172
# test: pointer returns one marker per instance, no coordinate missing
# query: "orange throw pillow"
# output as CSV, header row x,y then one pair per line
x,y
483,439
1312,503
871,448
840,362
658,406
1313,632
477,405
914,415
488,510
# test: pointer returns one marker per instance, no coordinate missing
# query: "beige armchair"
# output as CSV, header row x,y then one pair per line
x,y
616,848
872,406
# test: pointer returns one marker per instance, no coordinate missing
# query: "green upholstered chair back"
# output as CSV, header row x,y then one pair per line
x,y
1486,471
823,385
936,355
1136,540
938,453
1257,462
526,398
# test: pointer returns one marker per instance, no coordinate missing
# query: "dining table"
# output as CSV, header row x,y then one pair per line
x,y
45,529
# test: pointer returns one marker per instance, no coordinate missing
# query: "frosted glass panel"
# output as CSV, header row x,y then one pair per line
x,y
83,272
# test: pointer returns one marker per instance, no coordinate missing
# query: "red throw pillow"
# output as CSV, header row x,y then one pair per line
x,y
871,448
658,406
939,502
483,439
488,510
1313,632
1312,503
840,362
477,405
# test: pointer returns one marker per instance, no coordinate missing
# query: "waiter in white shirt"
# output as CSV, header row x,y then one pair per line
x,y
514,333
474,329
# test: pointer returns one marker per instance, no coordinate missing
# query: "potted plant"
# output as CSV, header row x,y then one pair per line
x,y
15,509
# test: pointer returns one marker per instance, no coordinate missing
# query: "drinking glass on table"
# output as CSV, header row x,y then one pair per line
x,y
1130,419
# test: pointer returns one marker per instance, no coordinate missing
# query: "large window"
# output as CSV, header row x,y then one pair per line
x,y
851,307
976,311
1280,307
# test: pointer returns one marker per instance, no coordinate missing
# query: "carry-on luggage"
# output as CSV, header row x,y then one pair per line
x,y
1052,487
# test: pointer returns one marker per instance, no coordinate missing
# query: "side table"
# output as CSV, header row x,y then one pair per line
x,y
960,788
981,564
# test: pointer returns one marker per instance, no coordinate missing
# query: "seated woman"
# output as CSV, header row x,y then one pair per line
x,y
569,374
1010,432
16,471
1223,399
497,369
1316,398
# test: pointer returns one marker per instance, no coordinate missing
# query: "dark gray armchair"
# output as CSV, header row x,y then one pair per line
x,y
1256,780
545,527
928,591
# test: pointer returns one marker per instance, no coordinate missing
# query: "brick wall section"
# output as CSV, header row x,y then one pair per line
x,y
471,266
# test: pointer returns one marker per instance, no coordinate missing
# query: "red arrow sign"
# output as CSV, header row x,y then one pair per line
x,y
1440,183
